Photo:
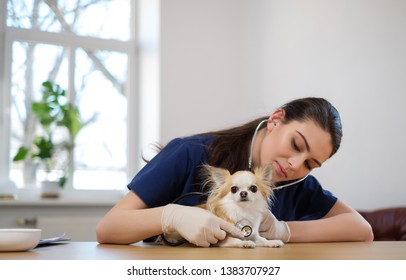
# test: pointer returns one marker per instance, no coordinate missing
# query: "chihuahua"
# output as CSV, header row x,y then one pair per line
x,y
241,199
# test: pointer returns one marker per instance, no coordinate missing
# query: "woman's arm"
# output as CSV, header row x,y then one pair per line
x,y
129,221
342,223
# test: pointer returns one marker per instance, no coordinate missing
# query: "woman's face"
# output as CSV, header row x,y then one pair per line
x,y
293,149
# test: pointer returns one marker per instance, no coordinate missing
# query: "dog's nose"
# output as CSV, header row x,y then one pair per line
x,y
243,194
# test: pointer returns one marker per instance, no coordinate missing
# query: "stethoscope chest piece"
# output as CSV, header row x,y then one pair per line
x,y
244,227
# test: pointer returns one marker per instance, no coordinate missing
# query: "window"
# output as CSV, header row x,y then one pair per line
x,y
88,48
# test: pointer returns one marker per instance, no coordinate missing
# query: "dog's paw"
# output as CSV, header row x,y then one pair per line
x,y
247,244
236,243
274,243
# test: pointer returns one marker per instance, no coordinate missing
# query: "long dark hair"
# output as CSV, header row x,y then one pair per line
x,y
230,147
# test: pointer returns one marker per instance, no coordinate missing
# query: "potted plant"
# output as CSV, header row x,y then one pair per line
x,y
59,122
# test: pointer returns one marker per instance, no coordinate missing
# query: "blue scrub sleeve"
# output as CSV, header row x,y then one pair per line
x,y
170,173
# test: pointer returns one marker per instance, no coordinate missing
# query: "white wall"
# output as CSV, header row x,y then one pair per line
x,y
207,66
226,61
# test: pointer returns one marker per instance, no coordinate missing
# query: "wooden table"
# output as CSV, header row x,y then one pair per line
x,y
395,250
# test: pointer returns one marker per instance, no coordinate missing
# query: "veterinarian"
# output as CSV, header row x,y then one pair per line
x,y
295,139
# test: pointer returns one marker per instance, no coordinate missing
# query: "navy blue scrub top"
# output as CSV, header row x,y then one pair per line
x,y
173,172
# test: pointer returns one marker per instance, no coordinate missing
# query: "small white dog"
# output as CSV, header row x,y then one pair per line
x,y
241,199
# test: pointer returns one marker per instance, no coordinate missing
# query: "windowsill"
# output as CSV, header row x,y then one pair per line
x,y
67,198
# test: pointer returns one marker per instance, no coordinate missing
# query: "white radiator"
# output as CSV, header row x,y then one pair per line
x,y
77,228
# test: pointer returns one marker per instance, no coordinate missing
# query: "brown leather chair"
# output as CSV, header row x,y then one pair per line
x,y
388,224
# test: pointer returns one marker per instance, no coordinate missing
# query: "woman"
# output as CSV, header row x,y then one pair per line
x,y
298,137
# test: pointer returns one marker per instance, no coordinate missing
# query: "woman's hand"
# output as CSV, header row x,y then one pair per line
x,y
196,225
272,229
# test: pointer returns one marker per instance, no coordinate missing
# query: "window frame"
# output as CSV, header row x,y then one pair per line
x,y
8,35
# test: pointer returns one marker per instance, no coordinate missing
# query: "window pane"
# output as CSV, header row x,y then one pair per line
x,y
109,19
101,145
29,70
98,79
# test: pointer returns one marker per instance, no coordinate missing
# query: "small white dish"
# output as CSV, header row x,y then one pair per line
x,y
19,239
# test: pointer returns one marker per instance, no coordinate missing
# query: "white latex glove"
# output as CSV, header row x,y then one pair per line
x,y
196,225
272,229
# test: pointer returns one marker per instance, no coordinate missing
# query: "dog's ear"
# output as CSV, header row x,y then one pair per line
x,y
265,173
217,176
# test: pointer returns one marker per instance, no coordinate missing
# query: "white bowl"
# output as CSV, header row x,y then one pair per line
x,y
19,239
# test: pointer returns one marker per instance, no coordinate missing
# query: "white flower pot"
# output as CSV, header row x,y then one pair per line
x,y
50,189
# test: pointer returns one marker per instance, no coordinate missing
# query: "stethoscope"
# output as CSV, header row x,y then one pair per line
x,y
250,158
244,225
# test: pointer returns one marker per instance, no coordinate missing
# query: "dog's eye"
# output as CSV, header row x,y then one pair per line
x,y
253,188
234,189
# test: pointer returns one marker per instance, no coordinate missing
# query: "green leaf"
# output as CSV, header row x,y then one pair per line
x,y
43,112
21,154
75,124
45,148
62,181
71,120
47,85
